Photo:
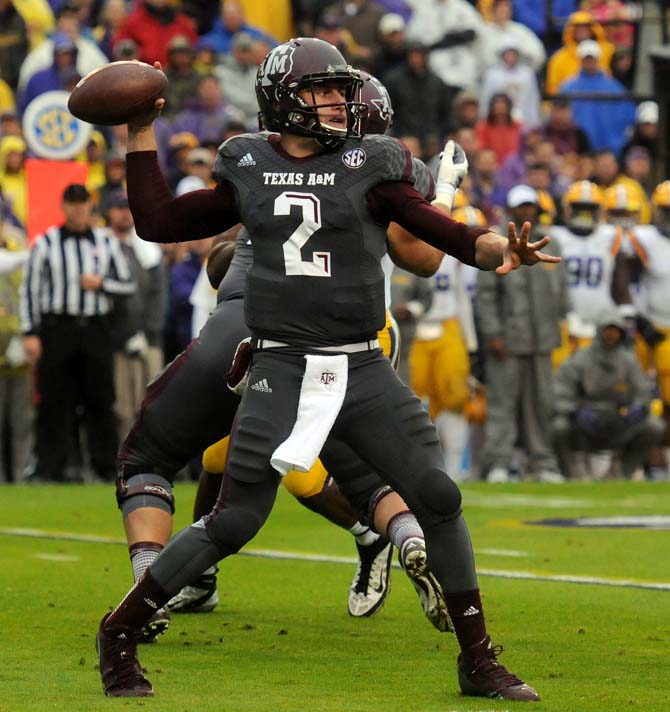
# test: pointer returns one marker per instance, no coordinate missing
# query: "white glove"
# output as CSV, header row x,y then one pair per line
x,y
137,344
453,168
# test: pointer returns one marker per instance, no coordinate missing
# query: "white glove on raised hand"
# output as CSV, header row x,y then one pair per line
x,y
453,168
136,345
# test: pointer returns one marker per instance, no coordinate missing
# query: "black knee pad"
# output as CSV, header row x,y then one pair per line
x,y
439,497
230,529
140,491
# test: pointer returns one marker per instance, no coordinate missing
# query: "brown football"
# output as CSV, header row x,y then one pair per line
x,y
112,94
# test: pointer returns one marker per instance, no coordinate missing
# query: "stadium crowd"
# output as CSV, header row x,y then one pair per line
x,y
499,361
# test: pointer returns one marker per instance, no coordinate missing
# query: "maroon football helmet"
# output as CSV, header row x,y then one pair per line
x,y
380,112
301,64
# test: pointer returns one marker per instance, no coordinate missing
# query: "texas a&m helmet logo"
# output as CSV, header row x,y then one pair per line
x,y
354,158
276,66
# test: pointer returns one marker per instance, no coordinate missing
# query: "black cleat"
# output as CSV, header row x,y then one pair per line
x,y
372,580
486,677
120,668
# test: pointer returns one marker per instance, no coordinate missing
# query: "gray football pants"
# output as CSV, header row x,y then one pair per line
x,y
384,424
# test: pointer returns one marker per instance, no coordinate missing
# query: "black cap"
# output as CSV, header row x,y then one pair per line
x,y
76,193
117,199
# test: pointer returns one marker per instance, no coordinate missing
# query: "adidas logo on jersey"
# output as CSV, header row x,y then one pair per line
x,y
262,386
246,160
472,611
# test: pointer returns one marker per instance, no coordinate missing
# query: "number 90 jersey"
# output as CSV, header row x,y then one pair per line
x,y
316,278
589,261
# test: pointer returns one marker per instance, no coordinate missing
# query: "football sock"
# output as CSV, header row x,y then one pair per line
x,y
142,555
453,429
467,615
401,528
139,604
364,535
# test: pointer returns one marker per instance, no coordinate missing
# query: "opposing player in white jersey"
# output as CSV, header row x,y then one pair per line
x,y
590,250
439,359
649,260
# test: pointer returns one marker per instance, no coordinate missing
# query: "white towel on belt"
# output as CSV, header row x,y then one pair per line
x,y
321,396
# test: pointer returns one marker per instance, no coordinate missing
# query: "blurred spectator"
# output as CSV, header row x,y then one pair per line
x,y
565,63
73,273
112,16
360,18
7,102
452,29
330,28
152,24
513,78
562,131
466,110
485,192
421,100
13,42
389,51
206,56
16,384
601,401
645,130
89,55
13,176
199,163
614,16
622,66
515,167
499,131
606,172
57,75
501,24
638,166
94,156
115,179
180,145
126,50
137,319
229,23
182,87
207,118
237,76
607,120
540,16
10,123
203,12
518,317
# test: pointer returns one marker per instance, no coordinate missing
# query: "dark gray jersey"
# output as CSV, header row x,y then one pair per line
x,y
233,284
316,277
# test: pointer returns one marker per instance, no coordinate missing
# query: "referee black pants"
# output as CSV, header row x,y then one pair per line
x,y
76,367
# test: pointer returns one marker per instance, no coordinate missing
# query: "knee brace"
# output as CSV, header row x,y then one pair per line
x,y
140,491
375,499
438,496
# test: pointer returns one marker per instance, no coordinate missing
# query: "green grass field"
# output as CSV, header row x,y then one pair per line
x,y
281,639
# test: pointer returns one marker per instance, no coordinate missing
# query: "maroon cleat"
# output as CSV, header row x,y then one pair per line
x,y
120,667
486,677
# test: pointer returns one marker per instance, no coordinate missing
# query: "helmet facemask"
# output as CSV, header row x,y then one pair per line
x,y
582,218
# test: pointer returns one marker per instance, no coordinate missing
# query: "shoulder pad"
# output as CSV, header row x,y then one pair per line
x,y
233,149
423,179
397,159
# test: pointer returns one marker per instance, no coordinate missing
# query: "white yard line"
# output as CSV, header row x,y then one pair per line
x,y
326,559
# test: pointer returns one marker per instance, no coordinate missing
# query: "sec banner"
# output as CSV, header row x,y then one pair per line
x,y
50,129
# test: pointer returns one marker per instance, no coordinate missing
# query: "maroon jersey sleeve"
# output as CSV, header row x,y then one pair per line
x,y
160,217
399,202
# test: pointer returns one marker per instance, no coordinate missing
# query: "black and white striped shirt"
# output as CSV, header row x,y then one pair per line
x,y
51,281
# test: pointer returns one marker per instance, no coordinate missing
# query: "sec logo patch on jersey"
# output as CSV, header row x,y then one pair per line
x,y
354,157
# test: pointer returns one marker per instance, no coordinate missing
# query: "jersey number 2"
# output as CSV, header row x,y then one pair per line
x,y
310,205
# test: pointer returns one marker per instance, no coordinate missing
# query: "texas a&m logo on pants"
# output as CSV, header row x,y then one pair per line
x,y
328,378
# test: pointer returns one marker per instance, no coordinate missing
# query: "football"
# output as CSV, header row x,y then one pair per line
x,y
112,94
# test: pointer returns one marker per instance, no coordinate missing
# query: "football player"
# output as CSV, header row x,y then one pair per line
x,y
590,249
314,310
649,263
439,359
167,426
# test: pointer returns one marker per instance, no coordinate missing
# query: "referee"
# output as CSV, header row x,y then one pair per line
x,y
72,274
